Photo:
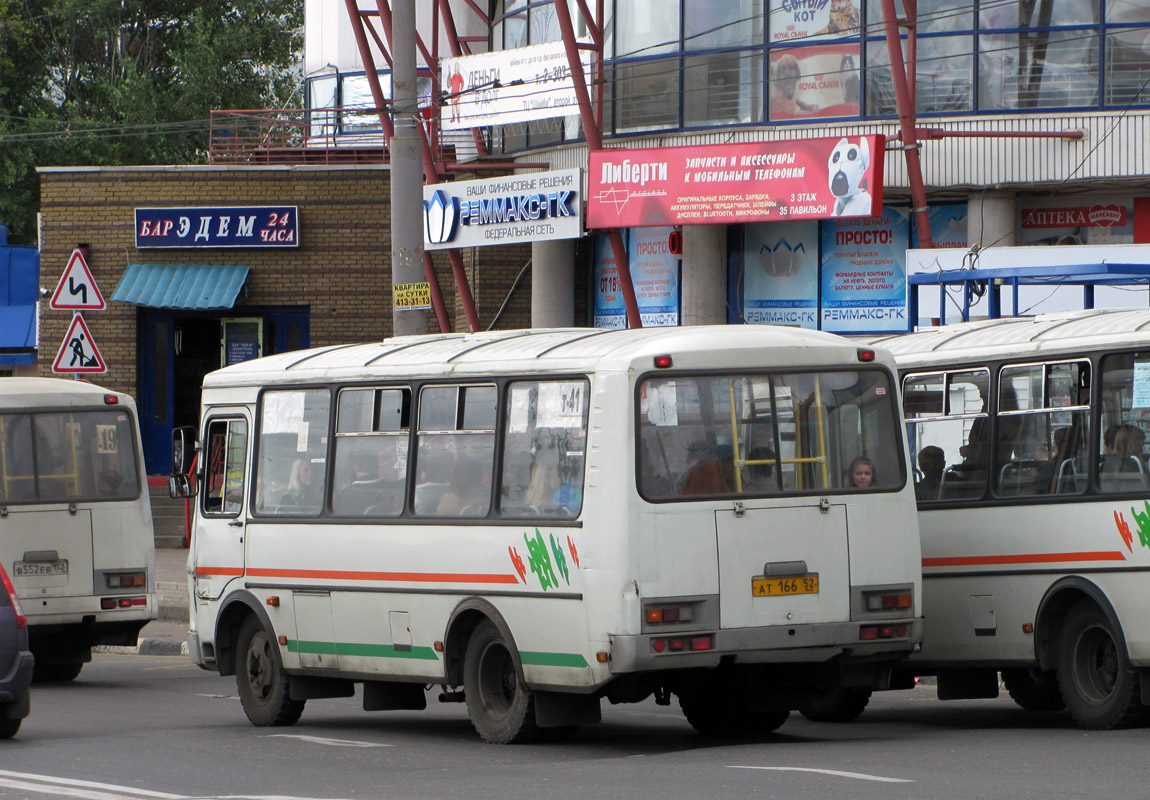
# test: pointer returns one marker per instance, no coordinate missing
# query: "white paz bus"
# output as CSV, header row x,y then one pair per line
x,y
1034,498
537,520
75,518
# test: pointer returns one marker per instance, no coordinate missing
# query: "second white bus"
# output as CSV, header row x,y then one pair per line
x,y
1034,499
75,519
536,520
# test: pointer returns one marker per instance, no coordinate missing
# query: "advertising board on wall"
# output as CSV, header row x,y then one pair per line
x,y
781,273
654,274
864,273
506,86
238,226
823,178
540,206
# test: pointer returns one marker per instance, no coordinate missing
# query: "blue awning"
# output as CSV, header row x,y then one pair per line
x,y
18,334
193,287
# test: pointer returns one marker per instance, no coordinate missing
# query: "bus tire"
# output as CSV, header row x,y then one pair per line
x,y
8,724
260,678
501,708
841,705
1033,690
57,673
1099,688
718,710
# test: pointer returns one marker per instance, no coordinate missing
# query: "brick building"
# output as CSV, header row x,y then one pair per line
x,y
333,288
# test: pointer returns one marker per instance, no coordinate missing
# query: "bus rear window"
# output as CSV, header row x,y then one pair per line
x,y
50,457
768,434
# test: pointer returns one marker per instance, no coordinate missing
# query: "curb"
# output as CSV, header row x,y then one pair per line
x,y
147,647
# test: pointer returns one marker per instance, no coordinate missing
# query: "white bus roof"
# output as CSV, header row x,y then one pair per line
x,y
1020,336
30,393
544,350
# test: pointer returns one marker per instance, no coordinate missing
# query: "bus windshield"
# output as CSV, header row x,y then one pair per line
x,y
62,456
768,434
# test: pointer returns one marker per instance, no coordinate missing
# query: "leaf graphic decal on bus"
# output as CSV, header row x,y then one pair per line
x,y
517,561
560,559
574,552
540,560
1143,521
1124,529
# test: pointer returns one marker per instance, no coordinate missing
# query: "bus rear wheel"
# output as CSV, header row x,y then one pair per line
x,y
1033,690
841,705
260,678
717,710
1099,688
501,708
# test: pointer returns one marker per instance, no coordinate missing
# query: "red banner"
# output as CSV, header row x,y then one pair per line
x,y
720,184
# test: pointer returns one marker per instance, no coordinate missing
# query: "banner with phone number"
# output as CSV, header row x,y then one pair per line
x,y
824,178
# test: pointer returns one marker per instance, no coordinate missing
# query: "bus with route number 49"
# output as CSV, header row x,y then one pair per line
x,y
535,521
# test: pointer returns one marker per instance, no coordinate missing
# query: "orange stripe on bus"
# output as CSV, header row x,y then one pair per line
x,y
1024,558
234,571
410,577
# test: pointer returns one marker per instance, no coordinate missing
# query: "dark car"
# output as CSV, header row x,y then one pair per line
x,y
15,660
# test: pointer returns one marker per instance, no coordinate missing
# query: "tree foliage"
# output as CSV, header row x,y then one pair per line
x,y
115,82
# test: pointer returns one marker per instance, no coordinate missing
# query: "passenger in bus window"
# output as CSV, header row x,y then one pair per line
x,y
303,489
468,494
704,473
760,476
862,473
653,481
1126,452
931,463
108,483
1047,475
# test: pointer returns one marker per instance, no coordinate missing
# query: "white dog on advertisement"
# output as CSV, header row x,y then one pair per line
x,y
846,170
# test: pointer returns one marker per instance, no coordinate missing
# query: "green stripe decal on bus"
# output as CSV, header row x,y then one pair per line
x,y
357,649
552,659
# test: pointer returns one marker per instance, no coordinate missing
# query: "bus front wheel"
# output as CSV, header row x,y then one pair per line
x,y
1099,688
261,680
501,708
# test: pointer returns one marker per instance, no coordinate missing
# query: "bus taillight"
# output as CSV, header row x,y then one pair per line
x,y
127,580
870,633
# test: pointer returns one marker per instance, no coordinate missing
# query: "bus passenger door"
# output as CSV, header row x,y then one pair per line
x,y
783,566
218,538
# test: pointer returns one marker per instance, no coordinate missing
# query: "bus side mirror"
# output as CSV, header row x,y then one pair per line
x,y
179,486
183,449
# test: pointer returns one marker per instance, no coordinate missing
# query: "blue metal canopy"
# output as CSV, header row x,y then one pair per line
x,y
976,282
193,287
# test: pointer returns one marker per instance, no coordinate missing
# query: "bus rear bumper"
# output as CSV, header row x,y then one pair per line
x,y
784,645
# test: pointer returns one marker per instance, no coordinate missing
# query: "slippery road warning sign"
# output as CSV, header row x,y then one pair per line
x,y
77,290
78,353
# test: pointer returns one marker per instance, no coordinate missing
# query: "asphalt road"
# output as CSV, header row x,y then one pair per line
x,y
157,728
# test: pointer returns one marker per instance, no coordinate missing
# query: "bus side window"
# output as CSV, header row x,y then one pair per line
x,y
543,449
1122,460
225,448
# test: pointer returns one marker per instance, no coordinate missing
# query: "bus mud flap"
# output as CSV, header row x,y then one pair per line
x,y
393,696
555,709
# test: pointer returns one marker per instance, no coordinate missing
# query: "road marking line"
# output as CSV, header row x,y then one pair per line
x,y
54,785
838,773
326,741
91,790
